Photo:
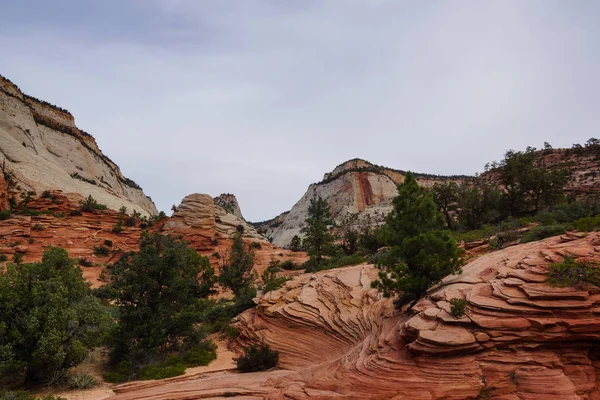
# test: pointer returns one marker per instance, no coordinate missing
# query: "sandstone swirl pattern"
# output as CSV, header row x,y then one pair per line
x,y
520,339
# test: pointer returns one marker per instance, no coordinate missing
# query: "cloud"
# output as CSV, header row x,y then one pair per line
x,y
261,98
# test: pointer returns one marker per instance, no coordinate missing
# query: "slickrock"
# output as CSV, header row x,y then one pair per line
x,y
520,339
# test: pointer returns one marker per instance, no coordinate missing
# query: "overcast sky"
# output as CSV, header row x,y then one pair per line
x,y
260,98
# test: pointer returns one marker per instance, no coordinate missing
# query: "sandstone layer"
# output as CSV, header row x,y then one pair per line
x,y
208,228
519,338
45,150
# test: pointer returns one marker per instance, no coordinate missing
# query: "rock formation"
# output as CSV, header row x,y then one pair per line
x,y
354,187
55,221
519,338
41,145
229,203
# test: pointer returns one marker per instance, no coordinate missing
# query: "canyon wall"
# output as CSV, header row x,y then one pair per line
x,y
42,146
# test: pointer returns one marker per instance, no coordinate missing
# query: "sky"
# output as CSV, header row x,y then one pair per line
x,y
261,97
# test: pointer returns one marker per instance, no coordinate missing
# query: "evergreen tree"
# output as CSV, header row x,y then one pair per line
x,y
159,291
296,243
49,319
237,271
422,253
318,240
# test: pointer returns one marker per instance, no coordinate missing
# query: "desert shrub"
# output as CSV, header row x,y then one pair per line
x,y
17,258
82,381
216,254
3,257
255,245
353,259
258,358
587,224
57,378
570,272
542,232
46,194
90,204
5,214
457,307
108,243
288,265
174,366
230,331
24,395
38,227
200,354
130,221
101,250
75,213
118,227
121,373
84,262
271,280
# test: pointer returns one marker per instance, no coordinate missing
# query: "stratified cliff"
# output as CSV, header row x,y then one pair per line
x,y
354,187
41,145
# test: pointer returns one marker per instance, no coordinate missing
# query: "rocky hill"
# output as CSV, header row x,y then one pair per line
x,y
354,187
337,338
56,221
41,145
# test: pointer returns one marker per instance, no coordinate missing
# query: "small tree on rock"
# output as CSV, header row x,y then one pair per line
x,y
422,252
318,239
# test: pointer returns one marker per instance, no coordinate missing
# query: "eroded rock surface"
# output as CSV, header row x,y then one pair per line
x,y
519,338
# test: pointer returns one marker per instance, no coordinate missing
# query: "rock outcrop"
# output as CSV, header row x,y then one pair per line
x,y
41,145
354,187
229,203
519,338
56,221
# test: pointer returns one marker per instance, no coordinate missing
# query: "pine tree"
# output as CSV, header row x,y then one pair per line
x,y
422,252
237,271
318,240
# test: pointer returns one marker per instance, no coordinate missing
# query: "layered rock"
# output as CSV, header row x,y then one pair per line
x,y
354,187
42,146
229,203
519,338
55,221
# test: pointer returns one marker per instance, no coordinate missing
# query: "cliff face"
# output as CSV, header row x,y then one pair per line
x,y
44,149
354,187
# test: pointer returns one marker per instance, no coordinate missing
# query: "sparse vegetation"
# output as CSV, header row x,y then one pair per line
x,y
101,251
457,307
82,381
90,204
572,272
258,358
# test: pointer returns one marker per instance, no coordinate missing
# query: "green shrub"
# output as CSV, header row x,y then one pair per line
x,y
231,332
75,213
573,273
101,250
57,378
90,204
5,214
457,307
288,265
543,232
82,381
130,221
121,373
17,258
258,358
587,224
23,395
3,257
108,242
255,245
353,259
46,194
200,354
118,228
167,369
